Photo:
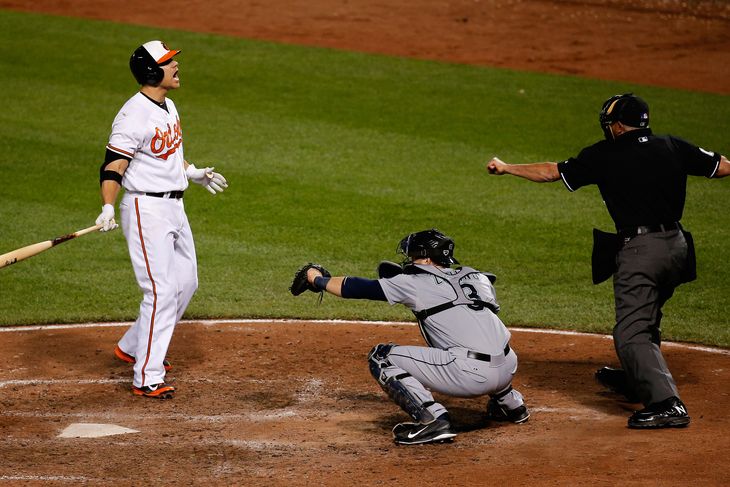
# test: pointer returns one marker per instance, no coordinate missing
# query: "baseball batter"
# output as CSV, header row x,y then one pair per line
x,y
468,352
145,156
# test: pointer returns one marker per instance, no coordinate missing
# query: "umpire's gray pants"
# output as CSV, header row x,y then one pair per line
x,y
649,268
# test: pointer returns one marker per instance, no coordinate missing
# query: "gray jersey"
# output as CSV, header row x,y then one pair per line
x,y
467,324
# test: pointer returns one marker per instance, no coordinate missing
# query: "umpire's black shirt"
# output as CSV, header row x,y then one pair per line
x,y
642,177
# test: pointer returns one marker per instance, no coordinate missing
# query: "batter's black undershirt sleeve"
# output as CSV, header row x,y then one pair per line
x,y
113,156
361,288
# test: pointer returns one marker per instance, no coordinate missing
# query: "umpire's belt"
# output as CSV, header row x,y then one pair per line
x,y
642,230
170,194
484,357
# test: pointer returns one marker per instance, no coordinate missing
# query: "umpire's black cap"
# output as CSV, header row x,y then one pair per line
x,y
628,109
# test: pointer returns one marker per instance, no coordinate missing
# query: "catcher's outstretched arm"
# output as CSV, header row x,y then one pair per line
x,y
347,287
361,288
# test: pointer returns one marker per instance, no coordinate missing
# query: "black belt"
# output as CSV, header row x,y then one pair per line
x,y
170,194
634,231
484,357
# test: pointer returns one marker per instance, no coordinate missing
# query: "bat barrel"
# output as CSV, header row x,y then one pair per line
x,y
17,255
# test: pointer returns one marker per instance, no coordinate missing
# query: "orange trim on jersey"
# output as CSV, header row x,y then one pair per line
x,y
154,289
167,56
119,151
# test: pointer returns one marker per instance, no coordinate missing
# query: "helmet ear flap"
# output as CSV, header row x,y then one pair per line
x,y
144,68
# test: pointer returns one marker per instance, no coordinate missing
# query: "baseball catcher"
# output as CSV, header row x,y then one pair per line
x,y
468,352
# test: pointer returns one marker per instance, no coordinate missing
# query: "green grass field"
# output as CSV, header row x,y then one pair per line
x,y
331,157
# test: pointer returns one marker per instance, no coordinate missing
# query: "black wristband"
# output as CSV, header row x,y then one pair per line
x,y
320,282
110,176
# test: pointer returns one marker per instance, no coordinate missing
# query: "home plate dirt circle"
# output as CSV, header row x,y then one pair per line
x,y
287,402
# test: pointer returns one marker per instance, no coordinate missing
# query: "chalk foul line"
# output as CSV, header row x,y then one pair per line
x,y
11,329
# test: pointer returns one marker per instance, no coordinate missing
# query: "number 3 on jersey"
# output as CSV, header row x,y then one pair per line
x,y
471,293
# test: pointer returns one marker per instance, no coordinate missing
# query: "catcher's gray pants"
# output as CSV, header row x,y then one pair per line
x,y
649,268
452,372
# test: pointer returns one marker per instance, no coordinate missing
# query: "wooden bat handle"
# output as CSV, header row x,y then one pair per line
x,y
34,249
78,233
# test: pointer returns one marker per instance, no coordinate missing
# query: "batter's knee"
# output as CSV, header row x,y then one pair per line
x,y
189,287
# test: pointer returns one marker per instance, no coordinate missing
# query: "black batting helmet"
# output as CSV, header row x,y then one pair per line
x,y
429,243
628,109
146,61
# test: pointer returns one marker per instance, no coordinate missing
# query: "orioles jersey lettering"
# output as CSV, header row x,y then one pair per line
x,y
166,142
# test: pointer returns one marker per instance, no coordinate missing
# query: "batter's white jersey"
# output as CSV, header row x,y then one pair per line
x,y
152,137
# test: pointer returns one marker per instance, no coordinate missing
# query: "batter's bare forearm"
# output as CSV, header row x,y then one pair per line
x,y
109,192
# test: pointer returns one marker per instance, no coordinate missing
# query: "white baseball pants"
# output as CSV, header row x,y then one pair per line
x,y
162,252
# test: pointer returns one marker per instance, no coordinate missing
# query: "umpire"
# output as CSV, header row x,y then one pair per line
x,y
642,178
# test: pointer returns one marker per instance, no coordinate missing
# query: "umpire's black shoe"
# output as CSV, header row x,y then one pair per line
x,y
670,413
437,431
497,412
616,380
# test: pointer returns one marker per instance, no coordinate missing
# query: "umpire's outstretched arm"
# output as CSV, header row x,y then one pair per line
x,y
540,172
547,172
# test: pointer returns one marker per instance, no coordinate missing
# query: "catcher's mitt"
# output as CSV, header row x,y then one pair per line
x,y
300,283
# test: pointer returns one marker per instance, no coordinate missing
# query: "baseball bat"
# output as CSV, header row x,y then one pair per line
x,y
30,250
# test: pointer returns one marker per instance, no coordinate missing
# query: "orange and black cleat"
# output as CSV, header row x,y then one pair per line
x,y
125,357
157,391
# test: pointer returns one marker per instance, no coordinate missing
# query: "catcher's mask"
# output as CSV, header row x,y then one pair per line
x,y
146,61
428,243
628,109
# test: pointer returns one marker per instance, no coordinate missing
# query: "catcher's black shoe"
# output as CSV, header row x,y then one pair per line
x,y
437,431
616,381
670,413
497,412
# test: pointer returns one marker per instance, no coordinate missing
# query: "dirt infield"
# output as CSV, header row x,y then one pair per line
x,y
674,43
293,403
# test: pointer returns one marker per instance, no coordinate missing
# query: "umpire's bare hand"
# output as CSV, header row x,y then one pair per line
x,y
497,166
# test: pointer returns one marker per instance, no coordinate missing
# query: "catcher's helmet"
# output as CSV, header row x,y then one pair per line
x,y
628,109
146,61
429,243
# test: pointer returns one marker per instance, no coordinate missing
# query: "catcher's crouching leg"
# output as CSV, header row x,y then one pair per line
x,y
393,381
